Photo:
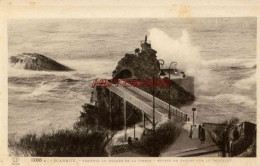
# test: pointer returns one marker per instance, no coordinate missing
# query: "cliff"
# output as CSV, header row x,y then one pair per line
x,y
34,61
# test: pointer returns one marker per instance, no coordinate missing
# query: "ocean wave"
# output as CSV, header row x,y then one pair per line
x,y
84,68
246,83
20,72
236,99
235,63
43,89
184,51
95,67
181,50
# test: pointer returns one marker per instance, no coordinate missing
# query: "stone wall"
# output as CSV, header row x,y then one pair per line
x,y
186,83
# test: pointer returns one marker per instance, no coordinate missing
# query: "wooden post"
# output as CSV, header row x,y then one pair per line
x,y
110,109
125,118
169,113
193,118
153,109
144,122
134,130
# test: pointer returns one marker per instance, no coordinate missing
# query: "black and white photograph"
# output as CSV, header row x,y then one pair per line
x,y
132,87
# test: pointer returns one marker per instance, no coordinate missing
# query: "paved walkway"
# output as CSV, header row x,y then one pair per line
x,y
186,146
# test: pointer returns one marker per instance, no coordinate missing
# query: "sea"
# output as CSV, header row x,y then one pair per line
x,y
220,53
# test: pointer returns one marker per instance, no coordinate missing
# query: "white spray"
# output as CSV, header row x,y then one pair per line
x,y
184,53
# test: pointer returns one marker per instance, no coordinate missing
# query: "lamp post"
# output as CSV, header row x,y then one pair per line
x,y
193,110
161,62
169,114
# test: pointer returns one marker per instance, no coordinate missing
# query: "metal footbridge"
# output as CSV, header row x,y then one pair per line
x,y
144,101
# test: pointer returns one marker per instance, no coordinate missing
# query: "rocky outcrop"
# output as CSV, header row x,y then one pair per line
x,y
139,65
34,61
69,80
144,64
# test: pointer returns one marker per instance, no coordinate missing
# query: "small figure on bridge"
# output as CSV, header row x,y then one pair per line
x,y
130,143
200,131
235,134
235,137
225,143
202,135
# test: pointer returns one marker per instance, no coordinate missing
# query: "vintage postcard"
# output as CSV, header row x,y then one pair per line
x,y
129,83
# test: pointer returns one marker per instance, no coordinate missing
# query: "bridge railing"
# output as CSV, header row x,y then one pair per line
x,y
137,102
177,112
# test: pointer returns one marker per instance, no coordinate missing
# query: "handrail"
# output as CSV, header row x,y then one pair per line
x,y
158,101
143,106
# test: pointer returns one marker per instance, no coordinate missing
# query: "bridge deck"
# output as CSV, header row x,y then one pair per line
x,y
137,100
140,101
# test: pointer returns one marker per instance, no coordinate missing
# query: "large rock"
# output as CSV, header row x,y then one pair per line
x,y
34,61
143,65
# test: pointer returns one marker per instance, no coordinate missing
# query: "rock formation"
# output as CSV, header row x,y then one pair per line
x,y
142,65
34,61
139,65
